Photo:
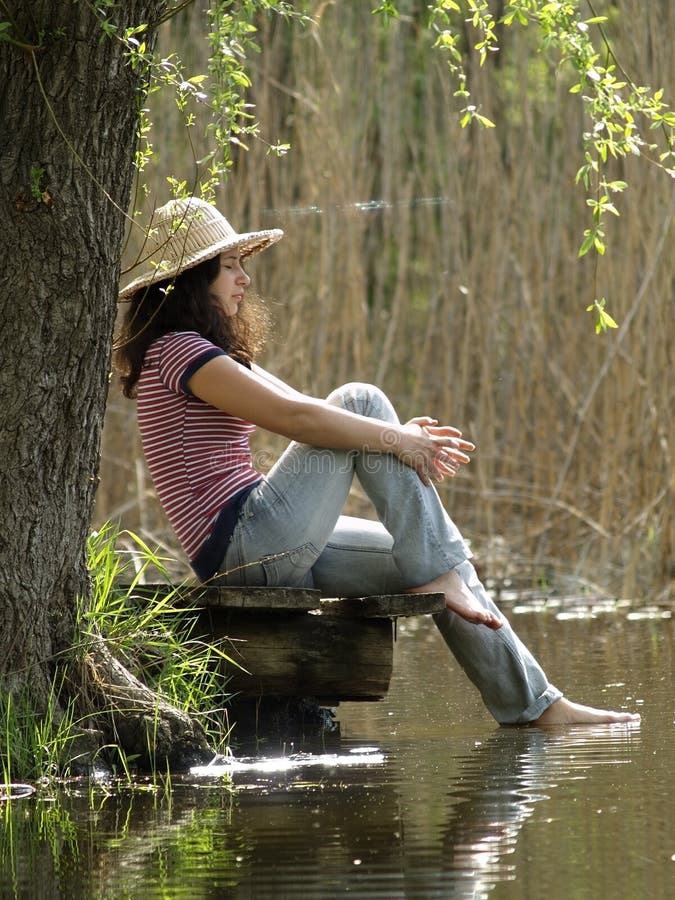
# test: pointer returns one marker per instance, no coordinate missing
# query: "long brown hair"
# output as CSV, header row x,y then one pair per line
x,y
184,303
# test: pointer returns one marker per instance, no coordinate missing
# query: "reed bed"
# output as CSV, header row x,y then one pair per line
x,y
442,264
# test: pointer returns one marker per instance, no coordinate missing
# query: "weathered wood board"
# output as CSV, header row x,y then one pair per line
x,y
386,606
255,598
304,655
294,643
281,599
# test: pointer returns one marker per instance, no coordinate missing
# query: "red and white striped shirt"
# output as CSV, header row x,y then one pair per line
x,y
198,456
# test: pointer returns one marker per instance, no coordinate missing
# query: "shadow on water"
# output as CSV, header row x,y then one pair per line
x,y
421,797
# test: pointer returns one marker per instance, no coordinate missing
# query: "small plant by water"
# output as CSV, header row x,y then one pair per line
x,y
152,635
33,746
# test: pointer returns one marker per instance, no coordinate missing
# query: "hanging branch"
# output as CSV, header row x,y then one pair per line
x,y
622,114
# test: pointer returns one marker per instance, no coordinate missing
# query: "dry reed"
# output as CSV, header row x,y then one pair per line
x,y
442,264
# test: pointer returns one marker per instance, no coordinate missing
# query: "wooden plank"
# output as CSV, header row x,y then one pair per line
x,y
279,599
253,598
329,658
291,643
385,606
282,599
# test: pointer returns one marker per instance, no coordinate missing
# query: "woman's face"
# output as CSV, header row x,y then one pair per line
x,y
230,283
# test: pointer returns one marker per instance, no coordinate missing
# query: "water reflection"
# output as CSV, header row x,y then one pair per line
x,y
231,765
333,823
421,797
499,785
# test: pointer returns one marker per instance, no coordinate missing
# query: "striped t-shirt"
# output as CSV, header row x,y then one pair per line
x,y
198,456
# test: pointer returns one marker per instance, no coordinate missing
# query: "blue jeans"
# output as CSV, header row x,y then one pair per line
x,y
291,533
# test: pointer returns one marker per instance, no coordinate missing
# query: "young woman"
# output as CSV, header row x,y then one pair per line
x,y
187,353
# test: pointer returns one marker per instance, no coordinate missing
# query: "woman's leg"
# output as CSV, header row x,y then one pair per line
x,y
358,560
287,520
287,535
426,542
511,682
288,523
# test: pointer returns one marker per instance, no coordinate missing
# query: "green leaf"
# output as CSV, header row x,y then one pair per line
x,y
603,320
587,243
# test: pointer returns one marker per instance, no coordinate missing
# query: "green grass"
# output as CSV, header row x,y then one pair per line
x,y
152,636
34,745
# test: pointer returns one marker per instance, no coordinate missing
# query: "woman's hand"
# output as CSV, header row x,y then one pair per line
x,y
435,451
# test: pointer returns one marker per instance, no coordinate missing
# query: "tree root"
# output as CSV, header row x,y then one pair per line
x,y
140,721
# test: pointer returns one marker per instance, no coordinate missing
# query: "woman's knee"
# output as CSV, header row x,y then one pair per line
x,y
364,399
351,392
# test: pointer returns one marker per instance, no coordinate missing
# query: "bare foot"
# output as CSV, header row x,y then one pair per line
x,y
459,599
564,712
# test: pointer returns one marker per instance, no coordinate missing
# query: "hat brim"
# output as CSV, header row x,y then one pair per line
x,y
248,244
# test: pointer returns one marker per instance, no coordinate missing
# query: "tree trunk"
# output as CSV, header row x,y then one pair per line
x,y
68,111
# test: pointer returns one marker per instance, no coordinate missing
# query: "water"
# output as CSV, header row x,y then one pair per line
x,y
421,796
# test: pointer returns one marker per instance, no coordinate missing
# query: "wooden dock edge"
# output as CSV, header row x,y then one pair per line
x,y
293,643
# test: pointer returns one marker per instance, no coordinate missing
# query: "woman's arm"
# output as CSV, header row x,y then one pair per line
x,y
277,407
267,376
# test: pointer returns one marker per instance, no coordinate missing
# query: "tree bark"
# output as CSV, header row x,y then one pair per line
x,y
68,114
137,719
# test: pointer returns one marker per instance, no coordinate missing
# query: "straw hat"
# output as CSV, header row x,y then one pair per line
x,y
184,233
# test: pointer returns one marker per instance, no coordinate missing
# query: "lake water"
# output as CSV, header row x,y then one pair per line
x,y
419,796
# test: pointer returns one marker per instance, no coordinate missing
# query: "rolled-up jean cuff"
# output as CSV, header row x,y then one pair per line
x,y
540,705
